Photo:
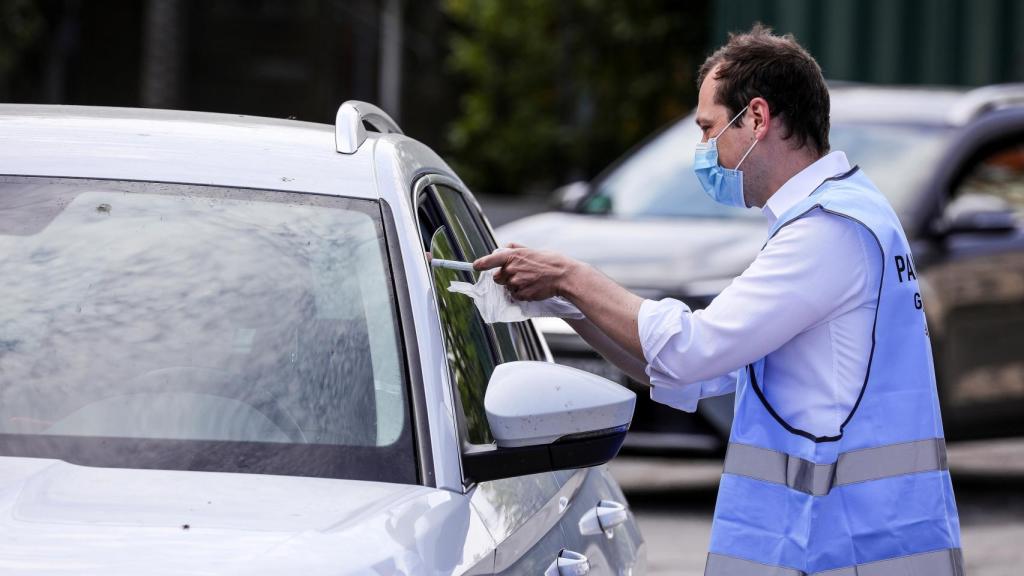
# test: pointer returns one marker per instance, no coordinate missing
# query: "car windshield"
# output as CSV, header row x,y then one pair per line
x,y
658,181
181,327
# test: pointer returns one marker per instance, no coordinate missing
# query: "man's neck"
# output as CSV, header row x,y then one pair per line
x,y
782,172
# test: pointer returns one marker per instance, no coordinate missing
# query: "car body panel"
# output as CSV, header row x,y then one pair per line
x,y
60,518
521,514
185,147
854,103
621,545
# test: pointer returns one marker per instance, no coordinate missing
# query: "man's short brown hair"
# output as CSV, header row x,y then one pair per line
x,y
778,69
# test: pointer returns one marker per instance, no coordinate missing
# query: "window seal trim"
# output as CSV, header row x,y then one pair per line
x,y
413,366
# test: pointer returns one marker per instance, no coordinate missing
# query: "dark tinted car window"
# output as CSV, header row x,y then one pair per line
x,y
996,182
184,327
471,357
454,229
513,339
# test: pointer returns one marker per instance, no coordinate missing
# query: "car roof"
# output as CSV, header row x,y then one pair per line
x,y
197,148
940,106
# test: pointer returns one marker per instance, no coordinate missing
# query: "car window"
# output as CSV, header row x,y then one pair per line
x,y
469,342
657,180
995,182
515,340
188,327
453,229
460,219
471,357
898,158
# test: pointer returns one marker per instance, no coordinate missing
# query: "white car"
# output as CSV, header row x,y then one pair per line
x,y
223,350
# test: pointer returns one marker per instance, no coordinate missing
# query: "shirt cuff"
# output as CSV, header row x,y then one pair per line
x,y
686,397
657,322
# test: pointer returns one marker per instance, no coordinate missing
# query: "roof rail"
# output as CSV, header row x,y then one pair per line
x,y
351,123
986,99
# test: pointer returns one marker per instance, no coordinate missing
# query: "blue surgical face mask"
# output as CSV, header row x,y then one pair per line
x,y
723,185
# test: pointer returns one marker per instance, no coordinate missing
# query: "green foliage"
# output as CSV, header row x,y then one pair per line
x,y
553,90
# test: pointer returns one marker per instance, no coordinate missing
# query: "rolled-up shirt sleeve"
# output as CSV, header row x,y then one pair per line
x,y
805,274
659,322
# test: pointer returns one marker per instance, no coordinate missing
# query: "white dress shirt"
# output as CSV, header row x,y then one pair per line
x,y
807,303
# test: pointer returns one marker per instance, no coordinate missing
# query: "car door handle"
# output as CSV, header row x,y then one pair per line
x,y
568,563
602,518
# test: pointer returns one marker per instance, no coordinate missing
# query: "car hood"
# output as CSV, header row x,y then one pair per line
x,y
59,518
681,256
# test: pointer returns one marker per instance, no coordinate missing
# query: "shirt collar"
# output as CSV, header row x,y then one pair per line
x,y
804,182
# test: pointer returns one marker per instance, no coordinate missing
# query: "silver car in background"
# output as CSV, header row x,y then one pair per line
x,y
950,161
223,351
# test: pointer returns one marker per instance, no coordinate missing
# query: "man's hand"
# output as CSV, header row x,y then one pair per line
x,y
529,274
537,275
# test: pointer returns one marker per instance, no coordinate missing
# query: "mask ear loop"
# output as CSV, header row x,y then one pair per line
x,y
749,150
738,114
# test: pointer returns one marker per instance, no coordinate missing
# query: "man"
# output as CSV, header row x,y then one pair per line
x,y
836,461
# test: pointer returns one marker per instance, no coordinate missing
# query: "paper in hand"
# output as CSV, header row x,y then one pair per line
x,y
496,304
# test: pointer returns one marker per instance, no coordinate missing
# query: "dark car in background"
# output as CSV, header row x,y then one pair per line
x,y
950,161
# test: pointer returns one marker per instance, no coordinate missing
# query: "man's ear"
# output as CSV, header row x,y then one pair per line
x,y
761,115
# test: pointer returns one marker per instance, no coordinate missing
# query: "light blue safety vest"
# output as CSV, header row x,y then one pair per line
x,y
874,500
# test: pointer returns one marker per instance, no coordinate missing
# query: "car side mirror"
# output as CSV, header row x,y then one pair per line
x,y
567,198
547,417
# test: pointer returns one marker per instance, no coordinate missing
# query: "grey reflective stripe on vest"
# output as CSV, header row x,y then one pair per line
x,y
852,467
949,562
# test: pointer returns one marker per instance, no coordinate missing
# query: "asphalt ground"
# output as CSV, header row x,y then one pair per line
x,y
673,500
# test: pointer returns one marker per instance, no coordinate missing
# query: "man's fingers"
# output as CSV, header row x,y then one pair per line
x,y
516,288
491,261
514,245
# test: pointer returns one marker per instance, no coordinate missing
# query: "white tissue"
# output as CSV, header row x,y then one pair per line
x,y
496,304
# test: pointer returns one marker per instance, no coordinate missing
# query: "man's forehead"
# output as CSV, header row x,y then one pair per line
x,y
709,111
705,119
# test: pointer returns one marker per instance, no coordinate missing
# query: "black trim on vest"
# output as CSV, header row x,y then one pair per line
x,y
881,281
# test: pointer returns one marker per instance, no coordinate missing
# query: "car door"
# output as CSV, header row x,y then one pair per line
x,y
972,279
598,522
588,492
521,513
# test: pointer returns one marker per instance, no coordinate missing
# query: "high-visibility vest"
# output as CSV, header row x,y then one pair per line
x,y
874,499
